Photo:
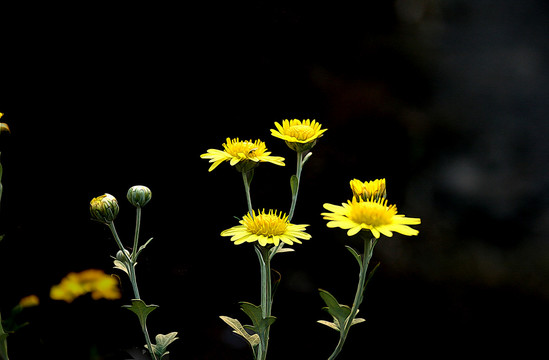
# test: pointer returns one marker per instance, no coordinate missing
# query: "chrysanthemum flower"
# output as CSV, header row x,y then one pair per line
x,y
373,215
93,281
367,190
299,135
244,155
267,228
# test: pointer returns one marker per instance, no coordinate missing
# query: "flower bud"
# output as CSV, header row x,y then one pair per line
x,y
104,208
139,195
121,257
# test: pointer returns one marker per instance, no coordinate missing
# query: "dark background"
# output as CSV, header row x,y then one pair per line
x,y
445,99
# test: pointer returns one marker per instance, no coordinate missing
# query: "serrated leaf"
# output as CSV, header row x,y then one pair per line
x,y
355,254
141,309
162,342
252,339
294,183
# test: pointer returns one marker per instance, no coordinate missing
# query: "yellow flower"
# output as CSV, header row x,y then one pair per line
x,y
299,135
29,301
244,154
267,228
373,215
368,190
96,282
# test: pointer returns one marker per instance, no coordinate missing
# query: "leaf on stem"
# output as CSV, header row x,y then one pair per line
x,y
339,312
142,310
294,184
3,342
255,313
355,254
238,329
142,247
162,342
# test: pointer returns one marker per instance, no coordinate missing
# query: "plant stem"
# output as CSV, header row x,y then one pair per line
x,y
299,168
362,278
266,296
131,271
136,236
247,189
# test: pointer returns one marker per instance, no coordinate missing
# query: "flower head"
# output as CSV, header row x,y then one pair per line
x,y
373,215
29,301
139,195
104,208
300,135
267,228
96,282
367,190
244,155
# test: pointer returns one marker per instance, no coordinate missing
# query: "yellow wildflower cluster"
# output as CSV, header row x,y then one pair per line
x,y
96,282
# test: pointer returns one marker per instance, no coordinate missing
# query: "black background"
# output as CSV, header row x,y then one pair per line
x,y
446,100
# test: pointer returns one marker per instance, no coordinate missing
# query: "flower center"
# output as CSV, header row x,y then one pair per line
x,y
248,148
374,213
301,132
268,224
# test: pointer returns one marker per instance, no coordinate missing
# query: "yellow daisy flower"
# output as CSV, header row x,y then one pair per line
x,y
267,228
299,135
93,281
373,215
368,190
244,154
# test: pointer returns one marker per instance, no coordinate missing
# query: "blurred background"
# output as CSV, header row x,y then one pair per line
x,y
446,99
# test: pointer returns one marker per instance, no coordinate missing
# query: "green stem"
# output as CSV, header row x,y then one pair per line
x,y
131,272
247,189
266,296
299,168
362,278
136,236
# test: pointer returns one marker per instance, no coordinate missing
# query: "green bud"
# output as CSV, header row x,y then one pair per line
x,y
104,208
139,195
121,257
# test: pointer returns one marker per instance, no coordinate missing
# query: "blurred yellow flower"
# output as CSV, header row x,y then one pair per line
x,y
300,135
373,215
29,301
244,155
96,282
267,228
367,190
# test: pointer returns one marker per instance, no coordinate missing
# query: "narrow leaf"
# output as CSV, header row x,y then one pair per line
x,y
357,321
3,342
121,266
294,184
142,247
162,342
338,311
329,324
355,254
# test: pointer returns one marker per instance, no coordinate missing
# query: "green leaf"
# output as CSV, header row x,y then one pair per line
x,y
294,183
339,312
142,310
3,342
331,325
252,339
162,342
121,266
142,247
355,254
255,313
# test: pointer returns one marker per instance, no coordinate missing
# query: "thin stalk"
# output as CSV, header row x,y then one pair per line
x,y
131,273
362,278
136,236
247,189
299,168
266,296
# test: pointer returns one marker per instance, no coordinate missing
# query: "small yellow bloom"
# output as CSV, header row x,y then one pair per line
x,y
96,282
367,190
29,301
244,155
267,228
300,135
373,215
